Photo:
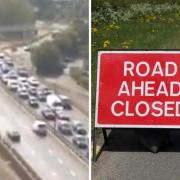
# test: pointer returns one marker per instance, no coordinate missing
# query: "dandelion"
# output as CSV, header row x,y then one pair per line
x,y
106,44
111,26
94,29
117,27
125,46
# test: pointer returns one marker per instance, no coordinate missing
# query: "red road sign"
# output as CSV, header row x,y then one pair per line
x,y
138,89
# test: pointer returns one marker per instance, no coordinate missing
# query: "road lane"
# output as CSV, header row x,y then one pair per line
x,y
51,159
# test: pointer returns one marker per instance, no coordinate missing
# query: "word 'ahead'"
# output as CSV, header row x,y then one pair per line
x,y
138,89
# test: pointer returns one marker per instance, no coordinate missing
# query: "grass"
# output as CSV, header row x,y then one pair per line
x,y
79,77
152,32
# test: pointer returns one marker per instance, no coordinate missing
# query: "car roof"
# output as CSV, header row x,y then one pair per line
x,y
39,122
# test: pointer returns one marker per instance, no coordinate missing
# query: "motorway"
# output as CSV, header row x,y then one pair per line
x,y
50,158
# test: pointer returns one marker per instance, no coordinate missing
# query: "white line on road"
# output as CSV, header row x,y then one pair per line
x,y
33,152
60,161
50,151
72,173
54,174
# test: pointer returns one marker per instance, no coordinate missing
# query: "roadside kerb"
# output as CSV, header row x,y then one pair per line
x,y
20,166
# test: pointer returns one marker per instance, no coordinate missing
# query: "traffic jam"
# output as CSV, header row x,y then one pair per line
x,y
55,110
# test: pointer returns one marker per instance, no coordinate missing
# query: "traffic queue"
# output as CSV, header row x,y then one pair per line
x,y
52,107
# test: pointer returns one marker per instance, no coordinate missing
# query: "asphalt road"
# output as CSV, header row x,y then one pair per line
x,y
125,158
48,156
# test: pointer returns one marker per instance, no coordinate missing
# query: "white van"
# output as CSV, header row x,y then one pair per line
x,y
40,128
54,102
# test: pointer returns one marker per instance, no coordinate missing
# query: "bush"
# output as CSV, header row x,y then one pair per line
x,y
46,59
127,3
106,13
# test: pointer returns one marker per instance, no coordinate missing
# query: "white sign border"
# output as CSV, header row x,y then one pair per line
x,y
100,52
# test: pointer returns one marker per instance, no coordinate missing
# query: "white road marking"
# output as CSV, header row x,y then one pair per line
x,y
54,174
50,151
60,161
72,173
33,152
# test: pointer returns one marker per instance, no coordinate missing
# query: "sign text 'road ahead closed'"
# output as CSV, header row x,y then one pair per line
x,y
138,89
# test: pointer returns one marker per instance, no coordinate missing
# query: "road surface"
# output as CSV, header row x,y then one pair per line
x,y
50,158
127,159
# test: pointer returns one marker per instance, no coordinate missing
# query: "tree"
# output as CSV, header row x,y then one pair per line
x,y
46,59
73,42
16,12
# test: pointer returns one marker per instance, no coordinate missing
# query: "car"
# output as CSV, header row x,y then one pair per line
x,y
65,102
33,102
5,68
41,96
7,77
9,62
80,141
27,48
22,72
2,61
46,90
62,116
80,130
32,91
23,92
65,127
40,128
14,136
33,81
75,124
48,114
23,81
2,55
12,84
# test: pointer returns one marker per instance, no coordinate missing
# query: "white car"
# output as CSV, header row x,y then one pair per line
x,y
7,77
2,56
22,92
40,128
12,84
23,81
76,123
33,81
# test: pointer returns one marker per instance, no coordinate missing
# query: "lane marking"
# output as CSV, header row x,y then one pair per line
x,y
72,173
54,174
33,152
50,151
60,161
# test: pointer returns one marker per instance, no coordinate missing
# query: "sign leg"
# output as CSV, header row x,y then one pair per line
x,y
105,136
94,144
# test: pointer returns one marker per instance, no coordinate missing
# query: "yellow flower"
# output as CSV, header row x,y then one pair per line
x,y
125,46
106,44
94,29
117,27
111,26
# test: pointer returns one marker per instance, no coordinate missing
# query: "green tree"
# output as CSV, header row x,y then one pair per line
x,y
16,12
46,59
74,41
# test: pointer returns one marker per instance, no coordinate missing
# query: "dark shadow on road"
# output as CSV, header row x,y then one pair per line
x,y
128,140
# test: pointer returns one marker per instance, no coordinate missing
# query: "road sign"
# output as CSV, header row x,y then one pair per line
x,y
138,89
